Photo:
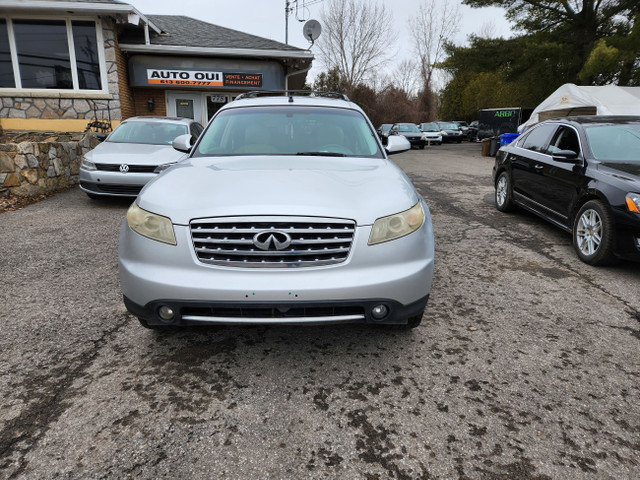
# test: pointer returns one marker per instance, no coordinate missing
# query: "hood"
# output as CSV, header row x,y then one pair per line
x,y
628,172
359,189
133,154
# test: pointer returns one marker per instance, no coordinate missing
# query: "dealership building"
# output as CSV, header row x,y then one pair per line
x,y
67,63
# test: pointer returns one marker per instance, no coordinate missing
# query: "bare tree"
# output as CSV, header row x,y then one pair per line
x,y
357,38
435,23
405,77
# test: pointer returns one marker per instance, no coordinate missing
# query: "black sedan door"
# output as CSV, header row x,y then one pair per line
x,y
558,181
527,161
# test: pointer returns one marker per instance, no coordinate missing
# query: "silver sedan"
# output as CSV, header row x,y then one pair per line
x,y
134,153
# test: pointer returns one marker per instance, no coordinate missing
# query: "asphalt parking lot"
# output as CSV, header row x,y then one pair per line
x,y
526,364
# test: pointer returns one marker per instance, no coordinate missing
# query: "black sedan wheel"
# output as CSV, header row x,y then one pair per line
x,y
594,234
504,203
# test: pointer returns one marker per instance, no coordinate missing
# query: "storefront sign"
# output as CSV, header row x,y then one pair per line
x,y
203,78
184,77
243,80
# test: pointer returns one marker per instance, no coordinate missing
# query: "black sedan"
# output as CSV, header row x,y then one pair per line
x,y
411,132
581,174
450,132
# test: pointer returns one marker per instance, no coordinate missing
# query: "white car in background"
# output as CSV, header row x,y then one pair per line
x,y
432,133
134,153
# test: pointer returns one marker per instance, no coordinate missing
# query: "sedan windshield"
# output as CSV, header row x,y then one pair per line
x,y
429,127
403,127
273,130
448,126
615,143
152,133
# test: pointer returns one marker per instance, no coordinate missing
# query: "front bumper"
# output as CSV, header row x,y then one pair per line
x,y
100,182
397,274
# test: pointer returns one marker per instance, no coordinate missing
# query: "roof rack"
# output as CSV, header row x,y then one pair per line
x,y
290,93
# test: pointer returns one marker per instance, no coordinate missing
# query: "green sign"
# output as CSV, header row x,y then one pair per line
x,y
504,114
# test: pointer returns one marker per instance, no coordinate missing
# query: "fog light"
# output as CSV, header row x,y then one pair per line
x,y
165,313
379,312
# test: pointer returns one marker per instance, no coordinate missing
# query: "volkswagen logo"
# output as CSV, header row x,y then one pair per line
x,y
272,240
124,168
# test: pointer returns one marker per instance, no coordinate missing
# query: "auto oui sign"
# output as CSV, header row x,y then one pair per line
x,y
202,78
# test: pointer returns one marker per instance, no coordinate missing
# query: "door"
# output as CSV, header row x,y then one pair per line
x,y
187,105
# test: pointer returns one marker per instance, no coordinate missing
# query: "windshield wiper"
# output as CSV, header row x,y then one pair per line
x,y
322,154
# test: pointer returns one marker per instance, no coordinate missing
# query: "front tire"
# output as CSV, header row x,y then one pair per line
x,y
503,197
594,234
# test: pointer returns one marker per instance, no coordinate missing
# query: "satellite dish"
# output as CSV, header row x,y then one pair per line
x,y
312,30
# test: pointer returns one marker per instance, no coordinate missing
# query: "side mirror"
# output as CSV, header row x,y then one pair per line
x,y
182,143
566,156
397,144
101,137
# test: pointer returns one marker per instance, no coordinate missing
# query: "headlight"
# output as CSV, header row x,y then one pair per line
x,y
423,137
396,226
442,132
163,167
87,165
633,202
150,225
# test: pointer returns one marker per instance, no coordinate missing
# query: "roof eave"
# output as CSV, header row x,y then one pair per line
x,y
222,52
76,7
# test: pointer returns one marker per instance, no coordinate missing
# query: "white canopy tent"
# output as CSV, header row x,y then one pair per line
x,y
572,99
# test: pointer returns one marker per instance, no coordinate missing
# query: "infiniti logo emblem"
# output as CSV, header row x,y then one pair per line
x,y
124,168
272,240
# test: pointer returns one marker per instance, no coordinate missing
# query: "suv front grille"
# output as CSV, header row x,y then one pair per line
x,y
234,242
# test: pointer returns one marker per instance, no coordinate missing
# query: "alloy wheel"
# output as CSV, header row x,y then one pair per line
x,y
589,232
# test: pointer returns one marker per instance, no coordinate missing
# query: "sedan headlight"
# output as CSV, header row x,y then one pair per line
x,y
633,202
396,226
423,137
442,132
150,225
87,165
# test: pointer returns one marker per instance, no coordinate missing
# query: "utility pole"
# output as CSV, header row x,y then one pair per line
x,y
287,11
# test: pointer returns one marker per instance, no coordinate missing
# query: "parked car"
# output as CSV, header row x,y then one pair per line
x,y
473,131
133,154
286,211
450,132
383,130
464,127
581,174
411,132
431,132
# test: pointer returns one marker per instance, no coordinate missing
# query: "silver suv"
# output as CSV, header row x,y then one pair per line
x,y
287,211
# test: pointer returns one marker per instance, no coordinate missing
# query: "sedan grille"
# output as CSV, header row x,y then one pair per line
x,y
272,242
110,167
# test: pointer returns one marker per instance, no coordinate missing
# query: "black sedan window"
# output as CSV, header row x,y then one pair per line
x,y
565,139
615,143
538,139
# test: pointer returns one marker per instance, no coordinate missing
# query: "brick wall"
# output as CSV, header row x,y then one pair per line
x,y
141,97
126,93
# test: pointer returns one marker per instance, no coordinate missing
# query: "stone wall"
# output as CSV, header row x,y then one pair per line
x,y
34,168
72,105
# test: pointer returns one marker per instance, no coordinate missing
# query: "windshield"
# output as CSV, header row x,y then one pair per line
x,y
448,126
404,127
429,127
615,143
289,130
152,133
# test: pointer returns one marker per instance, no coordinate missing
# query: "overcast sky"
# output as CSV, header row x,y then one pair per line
x,y
266,18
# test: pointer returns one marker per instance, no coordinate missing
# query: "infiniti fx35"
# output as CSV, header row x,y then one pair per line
x,y
288,211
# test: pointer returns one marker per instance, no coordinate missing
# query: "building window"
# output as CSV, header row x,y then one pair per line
x,y
50,54
6,70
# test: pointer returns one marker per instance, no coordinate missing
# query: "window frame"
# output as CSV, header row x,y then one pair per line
x,y
19,90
